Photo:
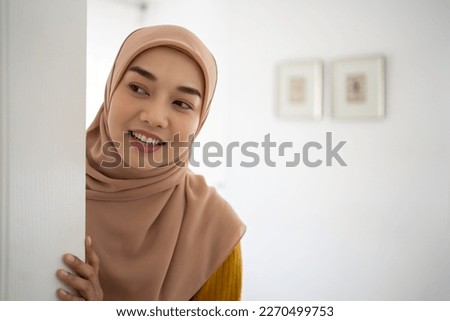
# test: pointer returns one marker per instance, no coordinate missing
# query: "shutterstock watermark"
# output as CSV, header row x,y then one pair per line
x,y
214,154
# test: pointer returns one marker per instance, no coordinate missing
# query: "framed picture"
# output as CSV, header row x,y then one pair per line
x,y
300,89
358,88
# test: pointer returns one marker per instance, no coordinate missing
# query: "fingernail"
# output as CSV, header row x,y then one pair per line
x,y
70,258
63,292
88,240
63,272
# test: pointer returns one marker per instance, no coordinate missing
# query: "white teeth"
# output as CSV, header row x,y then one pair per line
x,y
144,139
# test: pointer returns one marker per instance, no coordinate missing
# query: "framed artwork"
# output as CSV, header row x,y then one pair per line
x,y
300,89
358,87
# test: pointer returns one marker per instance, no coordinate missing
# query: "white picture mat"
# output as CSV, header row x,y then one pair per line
x,y
374,103
310,106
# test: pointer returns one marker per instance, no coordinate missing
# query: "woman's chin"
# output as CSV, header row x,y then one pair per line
x,y
142,160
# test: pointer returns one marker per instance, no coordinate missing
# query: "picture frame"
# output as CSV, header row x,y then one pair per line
x,y
358,87
300,89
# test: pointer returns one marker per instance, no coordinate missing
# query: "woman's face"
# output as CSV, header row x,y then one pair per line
x,y
156,107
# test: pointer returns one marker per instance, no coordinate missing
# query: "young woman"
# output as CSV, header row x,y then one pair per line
x,y
155,230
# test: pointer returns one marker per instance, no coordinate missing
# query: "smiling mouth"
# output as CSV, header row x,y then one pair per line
x,y
146,140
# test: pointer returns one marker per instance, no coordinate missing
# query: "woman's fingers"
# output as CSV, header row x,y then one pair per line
x,y
84,287
79,267
93,260
84,279
66,296
91,256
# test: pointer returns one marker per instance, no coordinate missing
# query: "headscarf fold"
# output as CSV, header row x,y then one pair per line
x,y
159,233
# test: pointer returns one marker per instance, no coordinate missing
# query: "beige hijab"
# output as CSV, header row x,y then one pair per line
x,y
159,233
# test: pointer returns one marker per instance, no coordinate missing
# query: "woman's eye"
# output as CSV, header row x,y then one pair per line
x,y
139,90
182,104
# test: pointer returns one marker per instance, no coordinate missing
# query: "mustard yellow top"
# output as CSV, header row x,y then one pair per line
x,y
226,283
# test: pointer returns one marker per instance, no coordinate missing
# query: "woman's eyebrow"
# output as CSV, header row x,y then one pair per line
x,y
147,74
189,90
144,73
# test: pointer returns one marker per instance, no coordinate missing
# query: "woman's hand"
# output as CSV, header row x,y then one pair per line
x,y
85,280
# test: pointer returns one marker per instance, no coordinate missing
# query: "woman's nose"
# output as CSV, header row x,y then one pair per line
x,y
156,114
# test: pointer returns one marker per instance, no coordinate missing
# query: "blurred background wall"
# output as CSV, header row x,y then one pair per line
x,y
377,229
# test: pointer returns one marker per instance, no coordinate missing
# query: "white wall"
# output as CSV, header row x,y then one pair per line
x,y
379,228
42,107
375,230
